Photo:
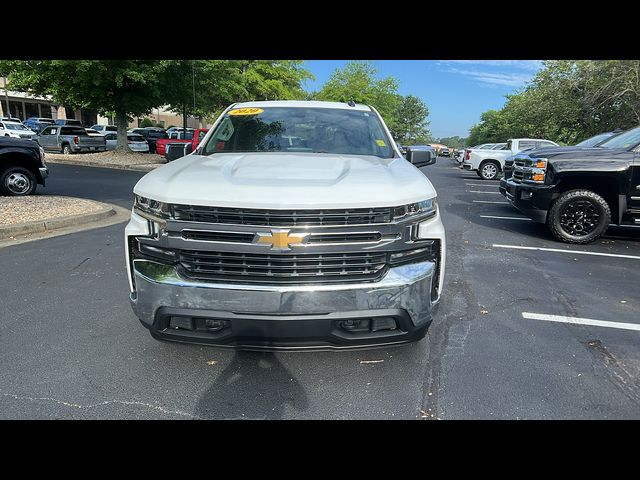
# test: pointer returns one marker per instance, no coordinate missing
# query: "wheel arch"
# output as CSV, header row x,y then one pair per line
x,y
605,186
19,159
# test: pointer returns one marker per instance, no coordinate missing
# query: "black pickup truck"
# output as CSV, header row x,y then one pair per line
x,y
22,166
578,192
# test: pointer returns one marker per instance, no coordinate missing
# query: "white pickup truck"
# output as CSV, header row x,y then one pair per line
x,y
489,163
293,225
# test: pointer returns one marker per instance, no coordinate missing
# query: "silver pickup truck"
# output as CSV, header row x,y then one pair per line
x,y
70,139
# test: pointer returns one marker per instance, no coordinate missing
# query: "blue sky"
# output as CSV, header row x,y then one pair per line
x,y
456,91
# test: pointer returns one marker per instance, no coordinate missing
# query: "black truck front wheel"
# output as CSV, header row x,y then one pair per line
x,y
579,216
17,182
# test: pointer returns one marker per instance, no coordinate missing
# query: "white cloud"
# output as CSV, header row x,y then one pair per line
x,y
494,73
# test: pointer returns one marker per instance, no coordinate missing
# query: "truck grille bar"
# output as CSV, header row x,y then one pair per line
x,y
272,268
279,218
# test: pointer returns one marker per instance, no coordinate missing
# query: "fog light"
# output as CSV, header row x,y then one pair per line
x,y
215,325
526,195
355,325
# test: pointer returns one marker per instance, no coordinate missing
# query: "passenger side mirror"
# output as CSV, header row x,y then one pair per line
x,y
420,158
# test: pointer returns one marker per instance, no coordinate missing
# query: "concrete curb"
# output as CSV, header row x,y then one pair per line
x,y
140,167
7,231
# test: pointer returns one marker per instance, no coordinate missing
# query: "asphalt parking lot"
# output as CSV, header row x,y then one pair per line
x,y
505,344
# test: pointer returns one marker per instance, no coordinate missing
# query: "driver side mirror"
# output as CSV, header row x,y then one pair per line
x,y
420,158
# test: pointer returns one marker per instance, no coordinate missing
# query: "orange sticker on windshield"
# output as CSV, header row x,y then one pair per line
x,y
246,111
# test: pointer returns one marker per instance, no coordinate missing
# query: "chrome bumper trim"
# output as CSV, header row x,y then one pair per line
x,y
405,287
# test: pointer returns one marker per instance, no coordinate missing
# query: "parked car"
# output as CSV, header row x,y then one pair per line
x,y
36,124
177,137
68,121
444,152
16,130
578,192
91,131
10,119
488,164
151,135
137,143
70,139
103,129
22,166
258,242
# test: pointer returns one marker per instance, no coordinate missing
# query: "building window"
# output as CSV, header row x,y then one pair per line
x,y
16,110
45,111
31,110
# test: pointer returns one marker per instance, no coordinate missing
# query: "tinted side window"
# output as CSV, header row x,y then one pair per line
x,y
525,145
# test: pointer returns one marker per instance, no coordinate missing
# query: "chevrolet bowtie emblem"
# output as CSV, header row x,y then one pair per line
x,y
280,239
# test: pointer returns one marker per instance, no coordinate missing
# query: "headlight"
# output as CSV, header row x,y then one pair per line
x,y
424,209
151,209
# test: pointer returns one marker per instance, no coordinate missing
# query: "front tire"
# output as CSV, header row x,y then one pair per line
x,y
17,182
489,170
579,216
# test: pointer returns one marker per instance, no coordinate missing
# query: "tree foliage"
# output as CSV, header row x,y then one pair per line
x,y
127,87
131,88
567,101
406,117
358,81
410,125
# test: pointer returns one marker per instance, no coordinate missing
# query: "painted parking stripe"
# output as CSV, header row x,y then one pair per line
x,y
478,184
478,191
506,218
489,201
573,252
580,321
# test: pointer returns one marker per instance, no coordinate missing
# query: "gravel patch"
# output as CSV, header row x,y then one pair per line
x,y
107,159
34,208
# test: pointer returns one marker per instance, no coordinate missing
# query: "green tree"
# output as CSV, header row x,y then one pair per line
x,y
146,122
127,87
453,142
410,125
358,81
204,88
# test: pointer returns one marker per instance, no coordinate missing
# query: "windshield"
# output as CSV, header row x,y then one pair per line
x,y
15,126
593,141
296,129
628,139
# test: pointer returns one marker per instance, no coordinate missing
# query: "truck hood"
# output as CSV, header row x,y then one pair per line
x,y
286,180
568,159
579,152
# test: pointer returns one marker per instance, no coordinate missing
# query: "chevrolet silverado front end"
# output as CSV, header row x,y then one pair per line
x,y
294,225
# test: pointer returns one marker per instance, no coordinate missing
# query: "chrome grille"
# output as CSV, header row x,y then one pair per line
x,y
282,268
280,218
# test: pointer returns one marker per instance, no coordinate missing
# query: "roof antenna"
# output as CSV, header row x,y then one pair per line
x,y
351,103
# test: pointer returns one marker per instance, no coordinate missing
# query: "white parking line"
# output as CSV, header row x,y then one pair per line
x,y
573,252
506,218
478,191
489,201
580,321
478,184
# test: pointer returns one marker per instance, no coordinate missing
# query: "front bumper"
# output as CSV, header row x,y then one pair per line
x,y
534,200
304,317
